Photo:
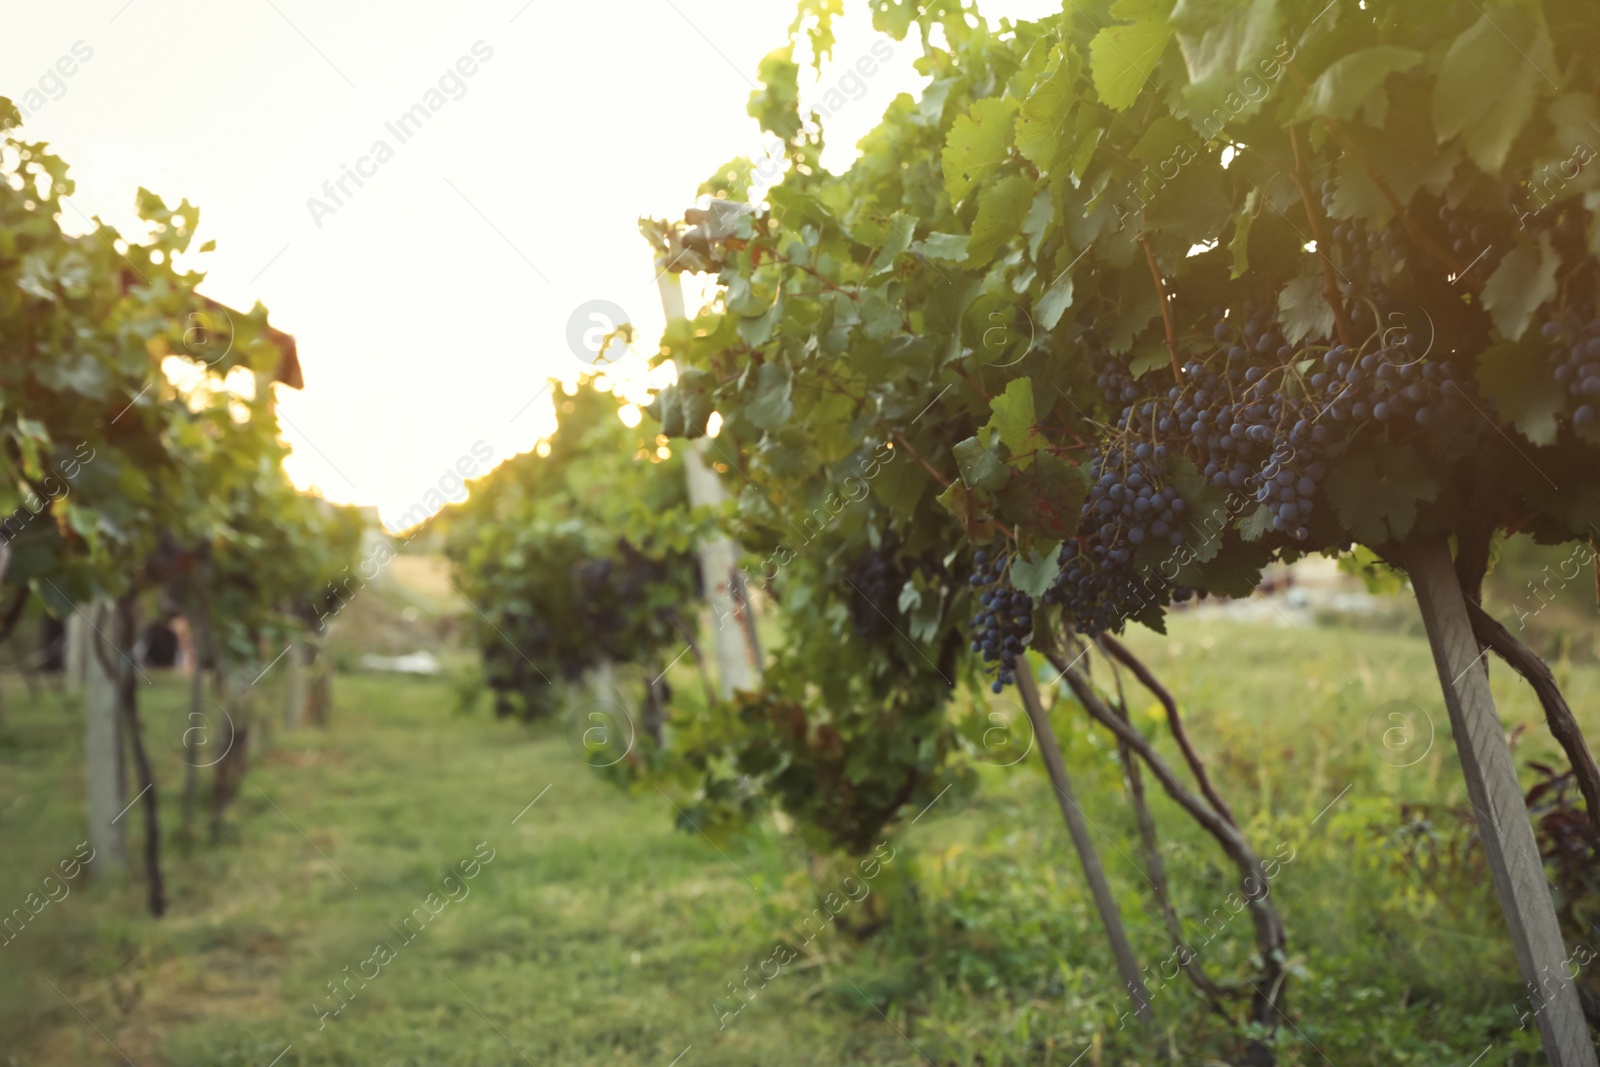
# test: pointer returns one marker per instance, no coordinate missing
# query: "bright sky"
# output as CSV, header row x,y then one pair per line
x,y
432,302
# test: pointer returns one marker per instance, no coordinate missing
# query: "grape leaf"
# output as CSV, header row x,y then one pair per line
x,y
958,501
900,485
979,141
1123,57
1221,38
771,407
902,227
1040,215
1303,311
1014,420
1038,572
1524,281
1161,139
1339,91
1057,299
1239,245
1140,312
1147,356
1376,497
945,247
1526,394
1001,212
1045,500
1195,205
1043,129
1254,526
980,465
1487,83
1234,573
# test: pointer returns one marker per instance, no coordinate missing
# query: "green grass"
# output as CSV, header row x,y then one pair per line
x,y
600,934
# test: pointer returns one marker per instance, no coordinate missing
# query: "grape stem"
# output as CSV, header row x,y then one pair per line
x,y
1166,307
1330,291
944,483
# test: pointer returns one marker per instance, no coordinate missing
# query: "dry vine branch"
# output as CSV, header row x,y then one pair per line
x,y
127,698
1563,725
1179,734
1134,779
1269,933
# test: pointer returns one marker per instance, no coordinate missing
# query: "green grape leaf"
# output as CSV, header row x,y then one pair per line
x,y
681,412
1015,422
1139,311
1038,572
1045,122
900,485
1303,311
958,500
1488,81
776,105
1041,214
1524,280
1379,578
1257,524
1147,356
1161,139
979,142
1239,244
945,247
1222,39
980,465
902,228
770,407
1122,59
1376,498
1517,376
1001,212
1056,299
1234,573
1339,91
1195,205
1045,500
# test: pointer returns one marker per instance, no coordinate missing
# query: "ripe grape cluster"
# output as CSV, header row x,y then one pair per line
x,y
1259,415
1576,354
1099,585
876,578
1475,244
1003,621
1361,245
1261,421
1128,501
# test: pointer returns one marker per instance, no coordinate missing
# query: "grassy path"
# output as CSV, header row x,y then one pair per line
x,y
594,934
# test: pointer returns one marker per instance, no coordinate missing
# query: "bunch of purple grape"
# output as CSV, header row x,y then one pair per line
x,y
1003,622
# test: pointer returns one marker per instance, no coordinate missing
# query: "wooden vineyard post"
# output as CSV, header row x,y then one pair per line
x,y
102,751
297,691
1498,806
1110,917
738,663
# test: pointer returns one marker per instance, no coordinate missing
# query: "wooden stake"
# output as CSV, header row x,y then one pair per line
x,y
1078,827
1502,816
102,750
738,662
